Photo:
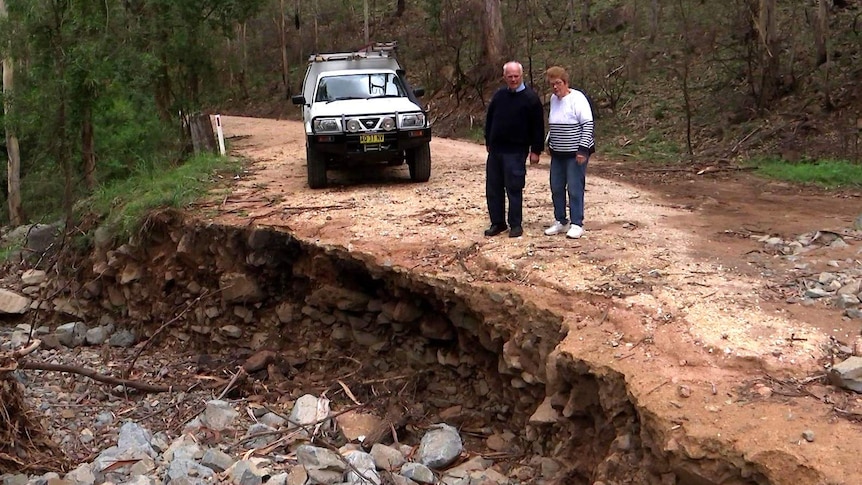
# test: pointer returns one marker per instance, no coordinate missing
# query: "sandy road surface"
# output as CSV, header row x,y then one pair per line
x,y
668,285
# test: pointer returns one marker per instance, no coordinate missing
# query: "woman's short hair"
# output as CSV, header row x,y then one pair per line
x,y
557,72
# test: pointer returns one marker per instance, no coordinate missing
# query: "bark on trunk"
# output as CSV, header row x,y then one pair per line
x,y
13,164
767,25
285,65
88,153
495,34
821,31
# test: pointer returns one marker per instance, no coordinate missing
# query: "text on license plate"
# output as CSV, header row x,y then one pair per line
x,y
370,138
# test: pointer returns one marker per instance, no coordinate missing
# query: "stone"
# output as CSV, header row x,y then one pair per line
x,y
83,475
123,338
131,272
332,297
315,458
386,457
297,476
816,293
417,472
497,442
218,415
808,435
217,460
134,437
845,300
246,472
848,374
40,237
851,288
181,468
440,446
362,470
284,312
545,413
12,303
33,277
356,426
406,312
273,420
259,428
239,288
71,334
436,327
304,411
96,336
231,331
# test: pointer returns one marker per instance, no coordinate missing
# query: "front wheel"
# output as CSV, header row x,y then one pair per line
x,y
316,168
419,162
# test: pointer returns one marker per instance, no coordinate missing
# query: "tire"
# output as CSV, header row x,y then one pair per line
x,y
419,162
316,168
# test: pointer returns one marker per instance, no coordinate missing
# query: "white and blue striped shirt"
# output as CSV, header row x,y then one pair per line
x,y
570,123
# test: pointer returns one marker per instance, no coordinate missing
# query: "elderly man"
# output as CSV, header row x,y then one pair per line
x,y
514,130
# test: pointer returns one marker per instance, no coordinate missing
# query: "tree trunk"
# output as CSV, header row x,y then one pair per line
x,y
767,25
585,16
285,65
13,164
399,8
821,31
494,33
655,16
88,153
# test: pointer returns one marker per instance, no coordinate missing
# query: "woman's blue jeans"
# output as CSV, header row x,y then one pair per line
x,y
568,178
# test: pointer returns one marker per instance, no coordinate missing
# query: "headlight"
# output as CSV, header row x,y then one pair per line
x,y
326,125
412,120
353,126
388,124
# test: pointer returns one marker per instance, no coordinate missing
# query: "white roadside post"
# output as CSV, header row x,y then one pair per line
x,y
220,135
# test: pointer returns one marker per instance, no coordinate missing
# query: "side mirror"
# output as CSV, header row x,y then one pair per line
x,y
298,99
419,92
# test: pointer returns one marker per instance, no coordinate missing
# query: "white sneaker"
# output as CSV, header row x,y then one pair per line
x,y
556,228
575,232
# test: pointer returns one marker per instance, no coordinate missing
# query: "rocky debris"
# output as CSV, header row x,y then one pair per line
x,y
841,287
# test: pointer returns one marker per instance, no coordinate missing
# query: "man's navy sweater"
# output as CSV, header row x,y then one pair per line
x,y
515,122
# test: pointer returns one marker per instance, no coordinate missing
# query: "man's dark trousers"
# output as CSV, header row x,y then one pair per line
x,y
506,175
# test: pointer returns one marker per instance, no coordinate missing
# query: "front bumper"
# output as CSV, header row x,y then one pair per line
x,y
349,147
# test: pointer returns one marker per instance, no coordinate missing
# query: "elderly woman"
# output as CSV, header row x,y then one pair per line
x,y
570,141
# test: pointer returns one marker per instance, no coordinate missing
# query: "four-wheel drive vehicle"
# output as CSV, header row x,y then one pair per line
x,y
359,109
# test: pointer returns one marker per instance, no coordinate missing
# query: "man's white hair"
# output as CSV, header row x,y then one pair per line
x,y
515,64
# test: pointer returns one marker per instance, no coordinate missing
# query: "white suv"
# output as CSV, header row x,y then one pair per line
x,y
358,108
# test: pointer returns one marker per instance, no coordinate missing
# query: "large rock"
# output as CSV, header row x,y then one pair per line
x,y
13,303
239,288
848,374
71,334
440,447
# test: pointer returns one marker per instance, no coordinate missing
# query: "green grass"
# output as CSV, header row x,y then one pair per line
x,y
825,173
125,203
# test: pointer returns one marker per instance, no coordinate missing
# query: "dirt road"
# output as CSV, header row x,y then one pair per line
x,y
673,285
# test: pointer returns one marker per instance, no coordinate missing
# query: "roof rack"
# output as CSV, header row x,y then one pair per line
x,y
376,49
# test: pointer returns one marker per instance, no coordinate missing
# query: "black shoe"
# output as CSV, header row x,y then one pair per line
x,y
516,231
495,229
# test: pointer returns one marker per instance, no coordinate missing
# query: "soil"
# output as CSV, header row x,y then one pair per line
x,y
671,285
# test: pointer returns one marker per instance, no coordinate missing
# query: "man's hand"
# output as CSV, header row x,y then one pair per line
x,y
581,158
534,158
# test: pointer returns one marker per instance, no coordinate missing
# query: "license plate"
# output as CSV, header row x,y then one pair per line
x,y
370,139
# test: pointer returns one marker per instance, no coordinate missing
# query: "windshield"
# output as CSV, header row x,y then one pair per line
x,y
359,86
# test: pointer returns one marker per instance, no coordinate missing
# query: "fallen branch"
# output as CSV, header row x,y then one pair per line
x,y
141,386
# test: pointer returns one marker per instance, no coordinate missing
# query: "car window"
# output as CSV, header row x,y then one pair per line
x,y
359,86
